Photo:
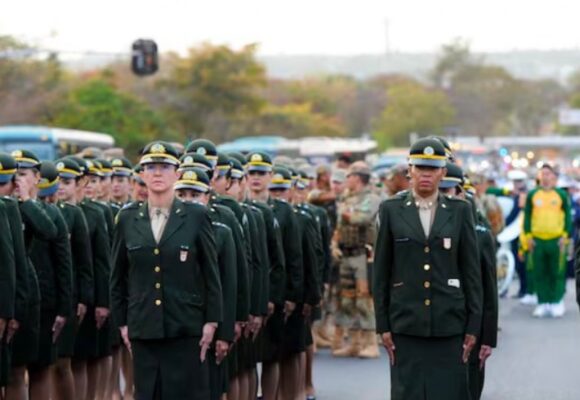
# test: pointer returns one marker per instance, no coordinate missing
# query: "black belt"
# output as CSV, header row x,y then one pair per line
x,y
352,251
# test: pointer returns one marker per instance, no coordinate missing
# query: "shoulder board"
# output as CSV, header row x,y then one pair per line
x,y
480,228
214,223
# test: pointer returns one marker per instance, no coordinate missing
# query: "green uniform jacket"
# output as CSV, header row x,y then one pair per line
x,y
427,287
244,266
260,280
227,267
82,259
227,217
101,252
7,267
309,240
20,259
277,263
319,216
486,244
286,217
52,261
168,289
37,223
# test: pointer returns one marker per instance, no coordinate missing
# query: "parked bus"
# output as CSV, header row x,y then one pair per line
x,y
51,143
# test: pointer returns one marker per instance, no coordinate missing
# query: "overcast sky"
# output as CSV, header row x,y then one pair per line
x,y
296,26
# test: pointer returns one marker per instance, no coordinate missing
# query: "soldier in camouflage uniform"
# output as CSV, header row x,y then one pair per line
x,y
355,231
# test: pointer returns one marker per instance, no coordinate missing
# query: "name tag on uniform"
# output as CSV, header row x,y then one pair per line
x,y
454,283
183,253
447,243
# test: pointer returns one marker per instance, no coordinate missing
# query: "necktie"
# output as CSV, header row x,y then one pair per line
x,y
157,224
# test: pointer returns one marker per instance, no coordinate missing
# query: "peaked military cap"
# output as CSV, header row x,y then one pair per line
x,y
121,166
193,179
159,152
237,171
68,168
446,145
238,156
92,168
49,179
7,167
223,165
427,152
81,163
190,160
259,161
281,179
26,159
204,147
106,167
453,178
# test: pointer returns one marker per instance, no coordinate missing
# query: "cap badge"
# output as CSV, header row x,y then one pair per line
x,y
117,162
428,151
60,166
278,177
189,159
201,150
190,176
157,148
16,153
256,158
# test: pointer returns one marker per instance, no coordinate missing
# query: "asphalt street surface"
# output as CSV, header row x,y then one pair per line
x,y
535,360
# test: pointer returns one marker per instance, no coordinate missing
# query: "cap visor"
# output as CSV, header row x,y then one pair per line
x,y
448,184
427,162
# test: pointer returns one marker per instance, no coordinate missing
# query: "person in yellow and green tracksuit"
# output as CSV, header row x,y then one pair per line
x,y
547,225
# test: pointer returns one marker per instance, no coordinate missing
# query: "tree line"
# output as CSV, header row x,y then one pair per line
x,y
222,93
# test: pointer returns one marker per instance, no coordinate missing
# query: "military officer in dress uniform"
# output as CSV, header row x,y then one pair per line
x,y
294,335
452,185
7,272
121,182
138,188
87,352
258,280
165,284
259,175
194,186
82,276
427,283
29,219
52,262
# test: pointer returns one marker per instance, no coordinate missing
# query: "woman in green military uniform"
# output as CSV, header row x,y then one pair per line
x,y
194,186
34,223
82,276
86,352
52,262
7,272
165,284
427,284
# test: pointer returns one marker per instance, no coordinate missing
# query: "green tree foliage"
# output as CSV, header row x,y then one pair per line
x,y
293,121
28,85
96,105
212,86
412,108
488,100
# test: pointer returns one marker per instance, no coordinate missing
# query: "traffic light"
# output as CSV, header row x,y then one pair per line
x,y
144,59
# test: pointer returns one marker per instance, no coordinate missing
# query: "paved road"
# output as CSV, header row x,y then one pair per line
x,y
535,360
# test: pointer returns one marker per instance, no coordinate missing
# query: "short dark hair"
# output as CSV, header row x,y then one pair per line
x,y
549,167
